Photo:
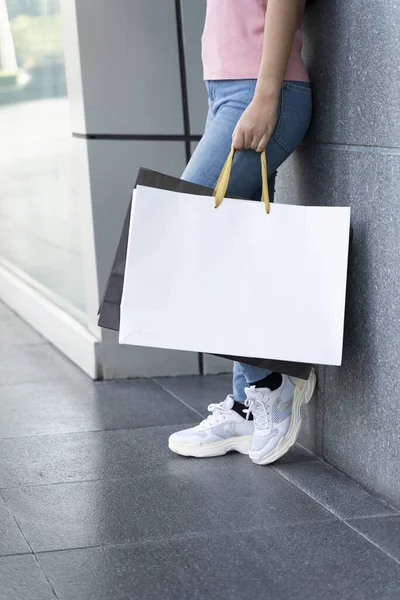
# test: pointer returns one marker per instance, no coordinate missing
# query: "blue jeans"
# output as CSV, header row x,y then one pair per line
x,y
227,101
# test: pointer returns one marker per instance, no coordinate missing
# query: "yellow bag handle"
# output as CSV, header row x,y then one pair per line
x,y
223,180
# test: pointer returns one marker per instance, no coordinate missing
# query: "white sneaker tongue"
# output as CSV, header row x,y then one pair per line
x,y
251,390
229,402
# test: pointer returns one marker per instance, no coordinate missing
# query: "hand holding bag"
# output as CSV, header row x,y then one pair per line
x,y
183,256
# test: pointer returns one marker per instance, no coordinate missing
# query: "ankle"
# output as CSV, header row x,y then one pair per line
x,y
239,407
273,381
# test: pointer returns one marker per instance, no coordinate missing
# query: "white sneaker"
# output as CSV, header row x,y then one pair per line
x,y
277,417
222,431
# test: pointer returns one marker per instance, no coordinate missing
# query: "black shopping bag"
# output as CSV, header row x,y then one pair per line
x,y
109,311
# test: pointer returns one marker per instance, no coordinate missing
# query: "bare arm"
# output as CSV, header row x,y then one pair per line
x,y
258,120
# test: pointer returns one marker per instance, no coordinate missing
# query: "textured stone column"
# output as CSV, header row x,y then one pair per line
x,y
352,157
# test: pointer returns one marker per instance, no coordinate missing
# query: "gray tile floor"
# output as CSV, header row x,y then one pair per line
x,y
93,506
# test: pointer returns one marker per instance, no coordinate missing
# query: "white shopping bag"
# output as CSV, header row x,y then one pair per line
x,y
235,281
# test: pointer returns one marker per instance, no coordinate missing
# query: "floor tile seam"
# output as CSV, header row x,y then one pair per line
x,y
153,541
141,427
165,389
16,523
396,511
371,542
306,451
366,517
329,510
46,576
43,485
131,478
181,537
324,462
126,478
16,554
153,473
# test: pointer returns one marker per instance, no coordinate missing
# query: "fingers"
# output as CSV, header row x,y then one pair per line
x,y
262,143
243,139
248,139
238,139
255,142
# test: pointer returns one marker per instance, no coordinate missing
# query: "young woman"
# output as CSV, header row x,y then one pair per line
x,y
259,98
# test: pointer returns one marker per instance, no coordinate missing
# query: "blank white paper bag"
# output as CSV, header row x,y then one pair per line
x,y
235,281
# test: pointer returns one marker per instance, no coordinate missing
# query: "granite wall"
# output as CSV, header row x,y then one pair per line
x,y
352,157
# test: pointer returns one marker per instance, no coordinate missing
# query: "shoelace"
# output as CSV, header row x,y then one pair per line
x,y
260,410
215,409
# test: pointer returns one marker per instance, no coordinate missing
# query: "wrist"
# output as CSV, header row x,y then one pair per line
x,y
267,92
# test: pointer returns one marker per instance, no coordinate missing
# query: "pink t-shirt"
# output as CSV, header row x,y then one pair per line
x,y
233,41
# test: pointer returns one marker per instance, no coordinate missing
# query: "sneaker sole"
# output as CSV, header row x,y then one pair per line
x,y
303,393
216,449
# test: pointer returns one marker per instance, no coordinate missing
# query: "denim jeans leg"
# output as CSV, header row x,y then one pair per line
x,y
228,100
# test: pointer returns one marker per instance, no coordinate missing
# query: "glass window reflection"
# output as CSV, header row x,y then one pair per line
x,y
39,220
